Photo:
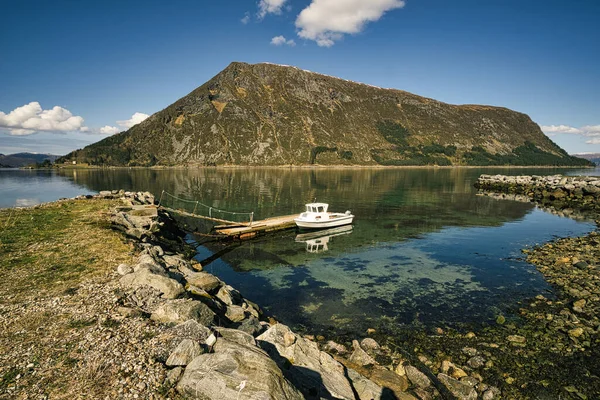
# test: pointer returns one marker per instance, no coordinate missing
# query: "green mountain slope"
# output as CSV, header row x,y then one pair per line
x,y
266,114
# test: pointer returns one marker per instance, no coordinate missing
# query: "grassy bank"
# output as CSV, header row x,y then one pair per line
x,y
60,335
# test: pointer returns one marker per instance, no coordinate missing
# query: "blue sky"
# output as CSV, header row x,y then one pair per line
x,y
73,72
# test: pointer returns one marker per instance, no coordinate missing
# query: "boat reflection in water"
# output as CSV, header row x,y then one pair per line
x,y
316,241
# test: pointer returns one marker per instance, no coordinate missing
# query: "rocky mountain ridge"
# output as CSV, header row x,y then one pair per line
x,y
267,114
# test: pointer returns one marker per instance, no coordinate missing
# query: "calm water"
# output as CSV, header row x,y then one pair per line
x,y
424,249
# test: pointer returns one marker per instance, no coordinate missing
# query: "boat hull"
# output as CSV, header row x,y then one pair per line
x,y
327,223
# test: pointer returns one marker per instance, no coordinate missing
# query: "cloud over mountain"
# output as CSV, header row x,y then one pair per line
x,y
326,21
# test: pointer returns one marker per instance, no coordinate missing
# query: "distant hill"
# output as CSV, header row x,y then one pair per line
x,y
593,157
24,159
266,114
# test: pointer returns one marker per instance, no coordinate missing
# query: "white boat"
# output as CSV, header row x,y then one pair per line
x,y
316,216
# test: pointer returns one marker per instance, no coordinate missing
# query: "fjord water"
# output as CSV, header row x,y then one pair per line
x,y
424,250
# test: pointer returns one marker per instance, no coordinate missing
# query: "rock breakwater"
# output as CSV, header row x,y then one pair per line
x,y
562,192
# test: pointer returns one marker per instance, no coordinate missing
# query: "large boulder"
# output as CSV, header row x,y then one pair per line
x,y
457,388
312,371
235,371
184,353
148,275
204,281
181,310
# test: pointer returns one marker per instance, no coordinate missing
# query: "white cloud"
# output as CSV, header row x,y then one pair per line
x,y
587,130
595,140
31,118
269,7
281,40
109,130
326,21
134,120
246,18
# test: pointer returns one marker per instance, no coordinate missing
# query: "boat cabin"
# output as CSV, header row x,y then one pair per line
x,y
317,207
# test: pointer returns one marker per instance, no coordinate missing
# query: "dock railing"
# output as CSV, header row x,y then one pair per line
x,y
197,209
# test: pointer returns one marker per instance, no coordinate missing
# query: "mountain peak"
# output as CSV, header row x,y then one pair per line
x,y
271,114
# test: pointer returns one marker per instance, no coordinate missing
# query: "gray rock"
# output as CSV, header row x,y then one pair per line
x,y
235,371
237,336
369,344
124,269
184,353
389,379
144,276
251,326
491,394
174,261
476,362
360,357
229,295
312,371
336,347
235,313
364,387
178,311
204,281
173,376
416,377
458,389
190,329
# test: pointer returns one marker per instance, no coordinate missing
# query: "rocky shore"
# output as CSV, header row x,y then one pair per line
x,y
562,332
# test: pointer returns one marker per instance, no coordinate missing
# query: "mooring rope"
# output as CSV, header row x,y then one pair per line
x,y
197,204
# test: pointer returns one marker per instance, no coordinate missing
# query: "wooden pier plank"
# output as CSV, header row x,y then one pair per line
x,y
265,225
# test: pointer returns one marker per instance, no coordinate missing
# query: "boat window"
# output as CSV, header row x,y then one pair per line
x,y
320,208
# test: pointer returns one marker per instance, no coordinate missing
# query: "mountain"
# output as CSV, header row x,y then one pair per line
x,y
25,159
593,157
266,114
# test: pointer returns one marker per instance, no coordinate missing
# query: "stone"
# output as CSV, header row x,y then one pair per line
x,y
335,347
469,351
364,387
458,389
173,376
360,357
491,393
169,288
181,310
456,372
251,326
416,377
234,335
184,353
124,269
235,371
400,369
390,380
516,339
369,344
312,371
190,329
174,261
229,295
576,332
476,362
235,313
204,281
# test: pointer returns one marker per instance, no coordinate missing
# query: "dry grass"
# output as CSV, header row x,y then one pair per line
x,y
46,254
47,249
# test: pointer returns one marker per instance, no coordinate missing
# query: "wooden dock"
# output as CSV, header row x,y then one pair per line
x,y
262,226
